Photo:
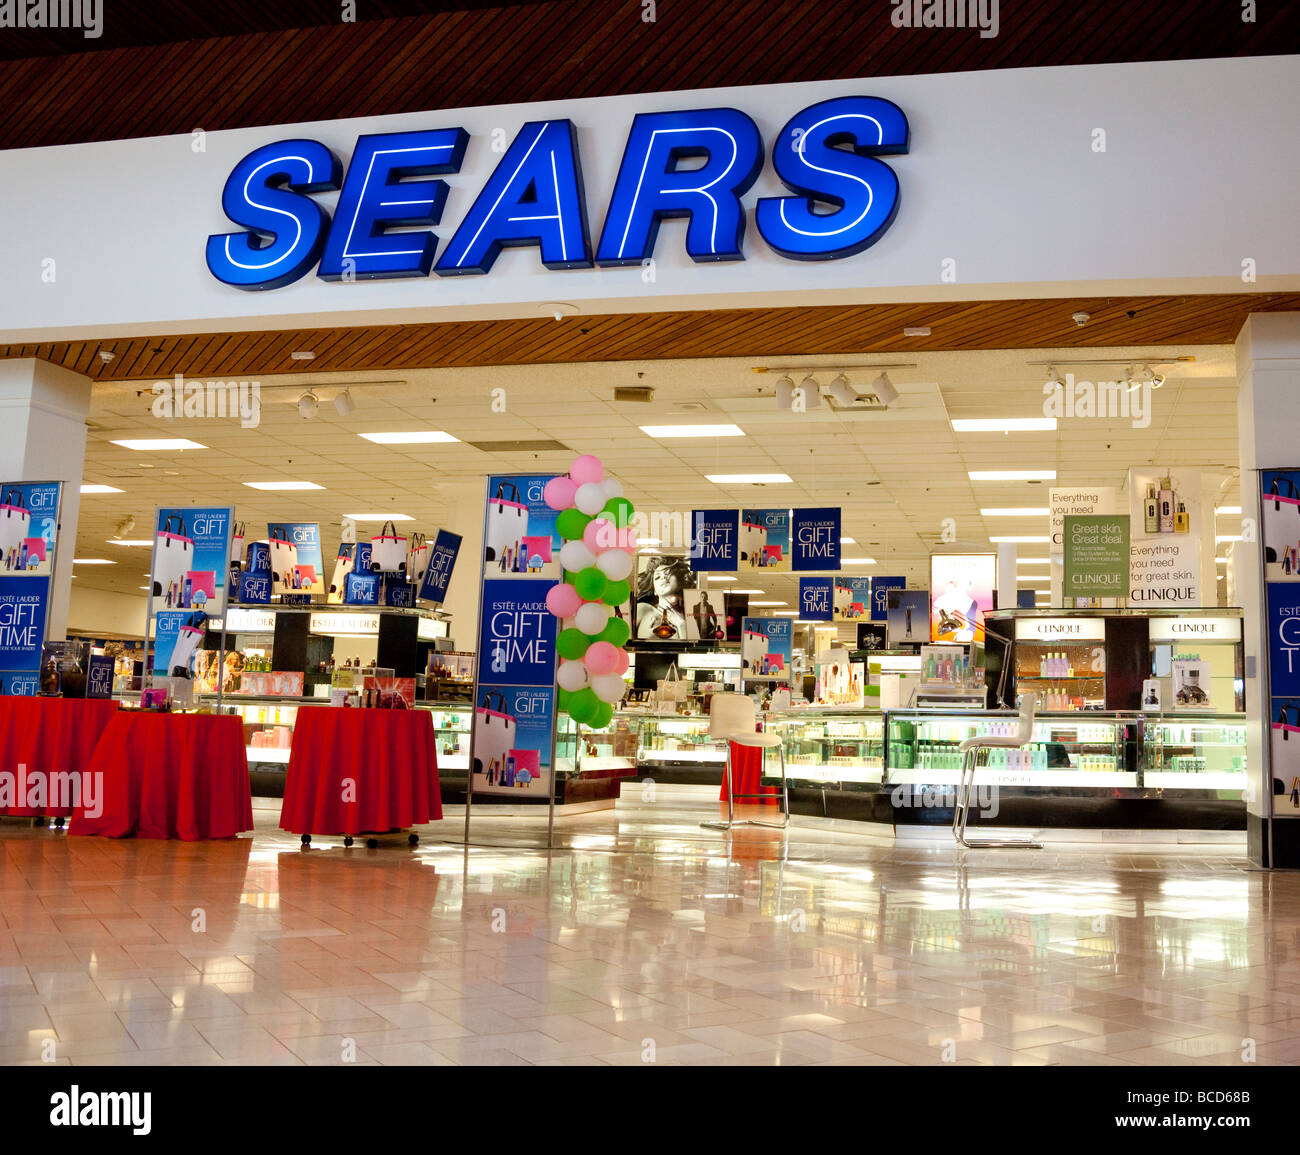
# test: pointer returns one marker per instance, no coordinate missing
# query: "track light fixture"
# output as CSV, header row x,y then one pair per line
x,y
843,393
344,404
308,404
812,392
785,393
125,526
885,392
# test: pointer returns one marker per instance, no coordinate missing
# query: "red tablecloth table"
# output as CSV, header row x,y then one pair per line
x,y
170,776
746,768
47,736
389,756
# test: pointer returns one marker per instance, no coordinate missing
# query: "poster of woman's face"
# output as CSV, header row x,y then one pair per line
x,y
664,583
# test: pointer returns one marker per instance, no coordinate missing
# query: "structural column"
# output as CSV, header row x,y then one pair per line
x,y
1268,430
43,411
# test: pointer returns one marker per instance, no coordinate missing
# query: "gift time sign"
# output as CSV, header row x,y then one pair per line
x,y
815,539
29,523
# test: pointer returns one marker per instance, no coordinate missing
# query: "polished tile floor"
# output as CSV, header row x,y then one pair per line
x,y
640,940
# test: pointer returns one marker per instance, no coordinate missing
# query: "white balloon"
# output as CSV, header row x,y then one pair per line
x,y
615,564
590,498
575,556
613,487
592,617
609,687
572,676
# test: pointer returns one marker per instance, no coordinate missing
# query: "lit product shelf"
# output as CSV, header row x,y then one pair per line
x,y
1207,780
992,777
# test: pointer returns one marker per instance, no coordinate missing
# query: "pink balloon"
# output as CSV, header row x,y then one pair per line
x,y
585,469
599,535
627,540
563,600
601,658
558,493
623,662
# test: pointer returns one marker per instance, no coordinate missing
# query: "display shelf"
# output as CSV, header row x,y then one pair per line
x,y
986,776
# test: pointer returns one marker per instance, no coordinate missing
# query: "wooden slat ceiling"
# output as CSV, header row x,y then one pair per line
x,y
758,333
161,69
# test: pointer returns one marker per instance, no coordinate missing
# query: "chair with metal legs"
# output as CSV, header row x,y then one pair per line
x,y
970,750
732,718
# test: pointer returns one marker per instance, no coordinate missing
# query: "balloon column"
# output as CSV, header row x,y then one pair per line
x,y
595,521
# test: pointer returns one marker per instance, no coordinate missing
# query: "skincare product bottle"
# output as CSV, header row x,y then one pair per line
x,y
1166,505
1181,520
1151,511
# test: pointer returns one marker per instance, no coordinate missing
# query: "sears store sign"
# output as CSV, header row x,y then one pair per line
x,y
695,164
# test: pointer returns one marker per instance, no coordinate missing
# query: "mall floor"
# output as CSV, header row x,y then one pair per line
x,y
640,940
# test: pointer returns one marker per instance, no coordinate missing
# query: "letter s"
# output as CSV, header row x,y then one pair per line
x,y
809,162
286,229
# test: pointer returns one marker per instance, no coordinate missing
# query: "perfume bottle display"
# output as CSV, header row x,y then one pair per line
x,y
1151,511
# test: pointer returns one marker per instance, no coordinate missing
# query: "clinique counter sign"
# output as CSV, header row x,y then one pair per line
x,y
695,163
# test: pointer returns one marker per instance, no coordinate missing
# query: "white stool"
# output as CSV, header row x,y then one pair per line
x,y
970,750
731,719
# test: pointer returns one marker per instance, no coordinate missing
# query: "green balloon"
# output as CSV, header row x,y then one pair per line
x,y
571,523
616,632
582,704
590,584
602,717
572,644
616,593
562,699
620,511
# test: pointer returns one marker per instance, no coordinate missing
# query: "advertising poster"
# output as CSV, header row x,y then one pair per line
x,y
1164,572
737,608
297,563
1096,556
908,622
852,598
706,615
29,526
961,592
766,648
880,587
178,635
362,589
191,558
1284,751
872,636
514,705
663,583
840,682
254,579
816,599
1280,527
442,560
715,540
1191,677
815,539
519,537
765,539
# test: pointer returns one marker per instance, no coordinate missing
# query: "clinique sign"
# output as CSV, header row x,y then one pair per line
x,y
695,164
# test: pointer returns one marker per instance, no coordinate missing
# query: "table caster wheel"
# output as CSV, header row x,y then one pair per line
x,y
58,824
371,843
412,839
306,839
347,840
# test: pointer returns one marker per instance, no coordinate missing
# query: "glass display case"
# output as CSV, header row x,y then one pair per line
x,y
1187,752
828,747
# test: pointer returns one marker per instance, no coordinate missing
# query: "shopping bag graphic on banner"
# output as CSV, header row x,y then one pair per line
x,y
202,585
526,768
173,556
388,550
507,525
843,599
494,735
342,567
33,552
1282,531
1286,760
417,557
753,651
187,641
15,520
752,540
304,577
237,545
536,551
284,556
771,555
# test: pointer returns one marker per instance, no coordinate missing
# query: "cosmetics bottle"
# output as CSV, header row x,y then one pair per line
x,y
1181,519
1151,511
1166,499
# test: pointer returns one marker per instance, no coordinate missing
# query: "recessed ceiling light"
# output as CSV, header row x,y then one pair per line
x,y
1002,424
857,561
1227,537
282,485
916,330
100,489
1012,475
415,437
749,478
144,587
657,541
1031,540
847,541
379,516
1226,510
303,355
1017,511
92,561
1220,561
663,432
130,541
747,591
769,603
152,444
785,613
1033,560
723,578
